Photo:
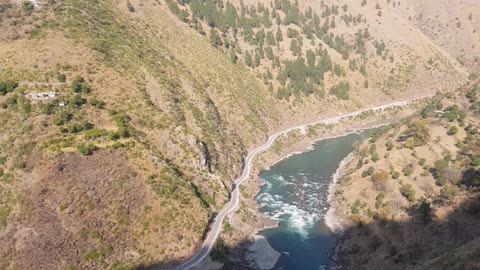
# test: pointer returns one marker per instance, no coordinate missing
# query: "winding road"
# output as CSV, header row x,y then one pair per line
x,y
235,195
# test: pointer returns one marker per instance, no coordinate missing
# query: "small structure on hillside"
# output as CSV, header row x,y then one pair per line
x,y
61,104
41,95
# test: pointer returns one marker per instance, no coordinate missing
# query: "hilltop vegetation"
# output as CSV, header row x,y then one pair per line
x,y
298,51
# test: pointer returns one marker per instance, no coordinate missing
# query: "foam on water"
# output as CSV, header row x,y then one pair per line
x,y
300,207
295,193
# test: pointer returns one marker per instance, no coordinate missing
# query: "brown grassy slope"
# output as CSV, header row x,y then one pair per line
x,y
174,129
75,208
454,26
419,65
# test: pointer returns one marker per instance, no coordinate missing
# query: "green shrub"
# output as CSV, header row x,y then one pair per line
x,y
425,208
408,192
92,255
123,125
417,134
61,78
389,145
47,108
78,126
63,118
27,6
99,104
112,135
379,200
11,101
452,130
408,170
79,85
476,161
95,133
86,149
76,101
452,113
368,172
428,111
340,90
7,86
449,192
117,145
422,161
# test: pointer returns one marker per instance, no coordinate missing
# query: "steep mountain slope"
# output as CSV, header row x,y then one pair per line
x,y
410,194
453,26
150,122
361,51
180,145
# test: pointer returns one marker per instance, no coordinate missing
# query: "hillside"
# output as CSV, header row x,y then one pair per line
x,y
153,105
360,51
410,194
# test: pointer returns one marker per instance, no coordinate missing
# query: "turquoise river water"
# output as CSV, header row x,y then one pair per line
x,y
294,192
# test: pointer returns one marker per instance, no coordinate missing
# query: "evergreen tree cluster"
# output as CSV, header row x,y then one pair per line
x,y
261,25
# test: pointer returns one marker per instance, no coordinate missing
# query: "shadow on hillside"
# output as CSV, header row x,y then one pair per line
x,y
426,240
231,256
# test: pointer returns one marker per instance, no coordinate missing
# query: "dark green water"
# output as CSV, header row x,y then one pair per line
x,y
295,192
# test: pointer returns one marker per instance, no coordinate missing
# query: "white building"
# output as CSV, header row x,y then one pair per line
x,y
41,95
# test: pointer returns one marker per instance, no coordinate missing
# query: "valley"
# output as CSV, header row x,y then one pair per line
x,y
125,123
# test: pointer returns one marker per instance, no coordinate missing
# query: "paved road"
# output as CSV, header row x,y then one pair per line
x,y
235,195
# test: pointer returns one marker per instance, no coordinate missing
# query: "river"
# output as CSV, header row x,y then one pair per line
x,y
294,192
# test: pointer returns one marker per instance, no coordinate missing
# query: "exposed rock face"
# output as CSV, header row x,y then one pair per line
x,y
261,254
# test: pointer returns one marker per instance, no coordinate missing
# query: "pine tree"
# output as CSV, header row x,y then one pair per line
x,y
214,38
269,53
279,35
274,13
310,59
266,18
248,59
256,60
333,24
278,20
270,39
233,56
294,46
231,15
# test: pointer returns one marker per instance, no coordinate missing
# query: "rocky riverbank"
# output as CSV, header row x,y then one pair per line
x,y
335,218
247,220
